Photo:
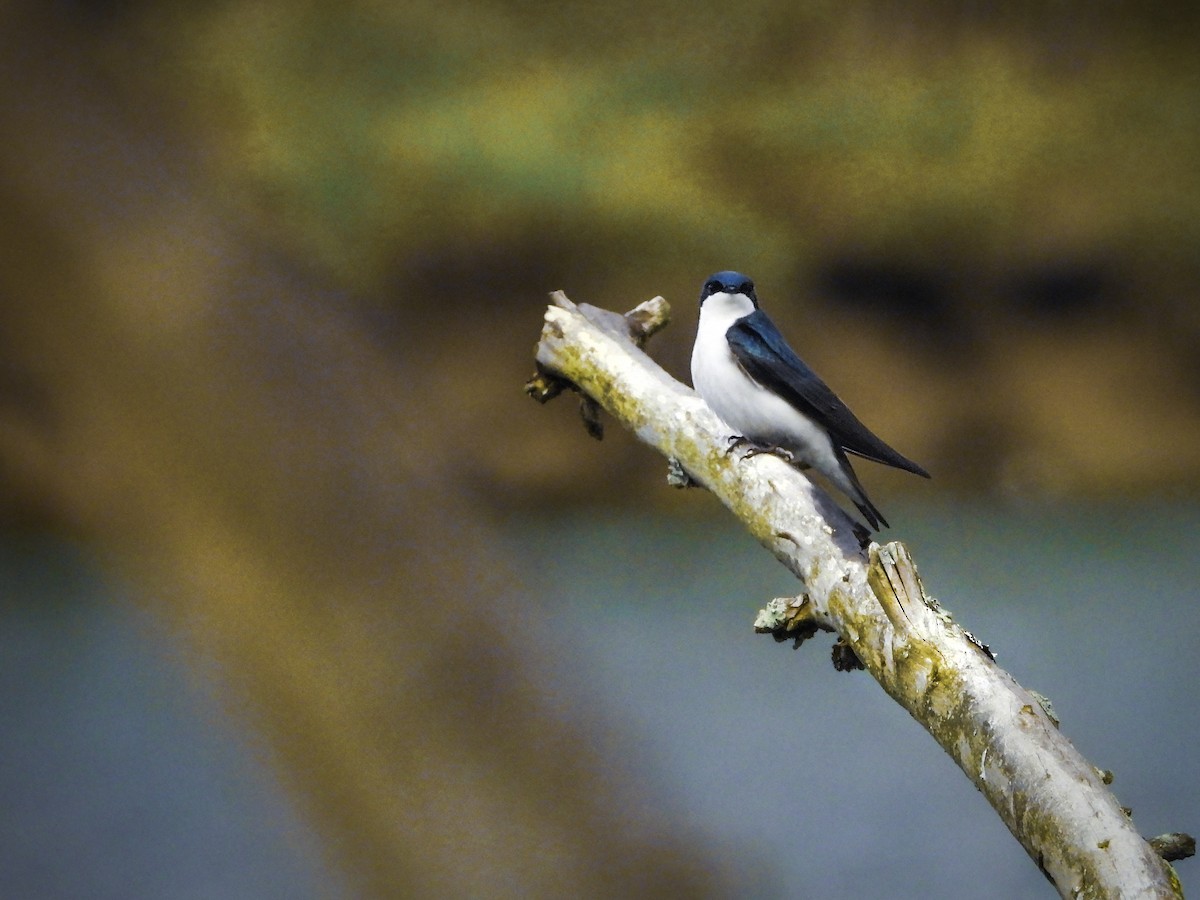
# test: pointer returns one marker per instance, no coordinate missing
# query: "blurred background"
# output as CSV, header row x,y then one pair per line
x,y
302,597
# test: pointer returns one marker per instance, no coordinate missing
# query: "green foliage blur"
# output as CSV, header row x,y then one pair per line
x,y
774,133
990,210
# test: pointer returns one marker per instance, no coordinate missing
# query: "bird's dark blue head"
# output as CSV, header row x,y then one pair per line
x,y
728,283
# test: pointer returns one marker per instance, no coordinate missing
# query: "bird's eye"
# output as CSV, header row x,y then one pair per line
x,y
712,287
746,287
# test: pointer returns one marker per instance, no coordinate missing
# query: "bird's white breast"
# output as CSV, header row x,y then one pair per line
x,y
715,373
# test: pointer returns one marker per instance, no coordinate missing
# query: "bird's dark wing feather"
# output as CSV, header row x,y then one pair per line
x,y
764,355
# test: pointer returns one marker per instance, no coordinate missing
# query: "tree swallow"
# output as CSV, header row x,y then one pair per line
x,y
751,378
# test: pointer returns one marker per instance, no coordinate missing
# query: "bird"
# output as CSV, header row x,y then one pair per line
x,y
756,384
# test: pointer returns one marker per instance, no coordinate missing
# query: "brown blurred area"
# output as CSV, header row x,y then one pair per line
x,y
203,412
271,275
977,221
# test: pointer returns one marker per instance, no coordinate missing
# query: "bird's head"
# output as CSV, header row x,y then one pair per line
x,y
730,288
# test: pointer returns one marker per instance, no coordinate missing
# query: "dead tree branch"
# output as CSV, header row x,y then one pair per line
x,y
1000,734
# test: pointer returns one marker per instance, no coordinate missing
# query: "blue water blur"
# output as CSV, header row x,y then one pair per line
x,y
815,779
121,777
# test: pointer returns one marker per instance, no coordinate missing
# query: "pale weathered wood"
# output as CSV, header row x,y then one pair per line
x,y
1054,802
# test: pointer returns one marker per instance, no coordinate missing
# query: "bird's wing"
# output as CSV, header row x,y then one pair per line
x,y
765,356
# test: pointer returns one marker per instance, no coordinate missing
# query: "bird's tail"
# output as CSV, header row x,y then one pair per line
x,y
869,510
871,514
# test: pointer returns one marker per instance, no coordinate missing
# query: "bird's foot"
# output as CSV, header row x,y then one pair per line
x,y
735,441
786,455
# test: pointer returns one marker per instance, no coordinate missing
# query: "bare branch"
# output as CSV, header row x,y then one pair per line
x,y
1001,735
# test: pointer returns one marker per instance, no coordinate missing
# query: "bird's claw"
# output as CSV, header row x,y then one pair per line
x,y
786,455
735,441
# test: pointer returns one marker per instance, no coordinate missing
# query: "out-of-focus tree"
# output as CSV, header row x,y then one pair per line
x,y
200,410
